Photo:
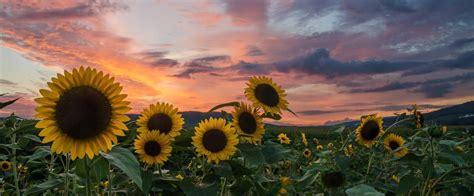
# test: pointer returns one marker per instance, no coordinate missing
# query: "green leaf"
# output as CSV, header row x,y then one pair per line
x,y
252,153
363,189
32,137
40,153
289,110
241,186
340,129
236,104
407,183
42,187
223,169
451,157
127,162
98,170
238,169
26,126
5,104
11,146
271,116
204,189
147,177
308,179
343,162
274,152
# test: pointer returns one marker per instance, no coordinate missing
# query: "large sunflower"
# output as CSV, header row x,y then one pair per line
x,y
264,93
247,121
153,147
161,117
394,143
369,130
82,113
215,139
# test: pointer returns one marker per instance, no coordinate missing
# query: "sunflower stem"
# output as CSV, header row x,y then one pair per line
x,y
109,178
368,166
159,170
66,180
88,180
15,172
223,186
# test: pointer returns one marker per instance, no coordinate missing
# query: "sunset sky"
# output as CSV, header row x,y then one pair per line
x,y
336,59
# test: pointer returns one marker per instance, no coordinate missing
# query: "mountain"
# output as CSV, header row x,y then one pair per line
x,y
462,114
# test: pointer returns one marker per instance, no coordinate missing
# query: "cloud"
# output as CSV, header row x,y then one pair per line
x,y
254,51
193,68
213,59
247,12
7,82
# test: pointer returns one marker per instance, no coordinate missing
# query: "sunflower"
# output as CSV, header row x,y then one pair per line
x,y
369,130
333,179
283,138
319,147
285,181
82,113
349,150
315,141
22,168
330,146
419,120
395,178
303,139
6,165
282,191
307,153
247,121
179,177
394,143
216,139
264,93
162,117
153,147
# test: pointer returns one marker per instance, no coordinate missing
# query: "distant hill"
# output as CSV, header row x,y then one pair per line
x,y
462,114
191,118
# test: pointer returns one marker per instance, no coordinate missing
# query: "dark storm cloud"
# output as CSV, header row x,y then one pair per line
x,y
192,68
462,42
165,62
389,108
212,59
433,88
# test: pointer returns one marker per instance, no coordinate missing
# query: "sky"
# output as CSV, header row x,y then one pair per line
x,y
337,60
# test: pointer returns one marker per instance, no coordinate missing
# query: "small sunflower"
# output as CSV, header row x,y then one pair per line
x,y
315,141
153,147
303,139
216,139
330,146
283,138
285,181
162,117
319,147
282,191
393,142
6,165
307,153
395,178
179,177
369,130
22,168
419,120
349,150
82,113
265,94
247,121
333,179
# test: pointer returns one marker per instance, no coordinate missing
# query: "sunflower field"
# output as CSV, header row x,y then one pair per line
x,y
82,142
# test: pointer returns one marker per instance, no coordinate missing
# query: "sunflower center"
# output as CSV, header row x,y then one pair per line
x,y
370,130
247,123
214,140
5,166
266,94
393,145
152,148
333,179
83,112
160,122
